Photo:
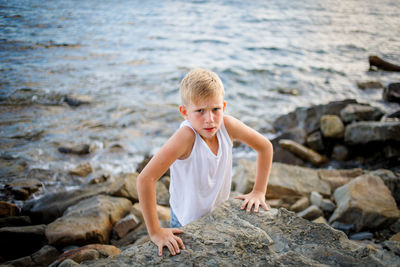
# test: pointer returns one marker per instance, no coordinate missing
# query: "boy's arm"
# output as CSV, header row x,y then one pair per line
x,y
178,146
239,131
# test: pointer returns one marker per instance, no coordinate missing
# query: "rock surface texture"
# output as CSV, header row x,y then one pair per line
x,y
231,237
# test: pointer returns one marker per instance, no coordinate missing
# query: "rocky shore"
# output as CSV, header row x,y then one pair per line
x,y
334,190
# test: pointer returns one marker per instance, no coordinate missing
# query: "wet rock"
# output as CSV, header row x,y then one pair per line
x,y
89,221
88,252
310,213
284,156
391,93
370,85
303,152
340,152
337,178
309,118
15,221
375,61
21,241
23,188
365,132
125,225
82,149
391,180
315,141
356,206
52,205
287,180
300,204
45,256
358,112
346,228
82,170
8,209
361,236
332,126
76,101
230,236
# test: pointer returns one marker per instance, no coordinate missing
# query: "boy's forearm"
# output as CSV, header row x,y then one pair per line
x,y
264,162
147,199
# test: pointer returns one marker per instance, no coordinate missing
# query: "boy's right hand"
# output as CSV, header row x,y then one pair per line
x,y
165,237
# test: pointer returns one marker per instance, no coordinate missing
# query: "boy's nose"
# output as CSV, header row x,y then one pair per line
x,y
209,116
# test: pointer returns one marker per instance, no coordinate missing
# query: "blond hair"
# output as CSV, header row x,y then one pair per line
x,y
200,84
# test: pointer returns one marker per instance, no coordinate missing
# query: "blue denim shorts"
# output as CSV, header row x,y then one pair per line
x,y
174,223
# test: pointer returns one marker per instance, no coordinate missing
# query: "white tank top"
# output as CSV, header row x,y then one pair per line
x,y
202,181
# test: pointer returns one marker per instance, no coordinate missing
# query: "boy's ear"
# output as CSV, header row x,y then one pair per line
x,y
183,111
224,106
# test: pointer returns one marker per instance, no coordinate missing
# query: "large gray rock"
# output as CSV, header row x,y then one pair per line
x,y
358,112
309,118
365,202
231,237
364,132
89,221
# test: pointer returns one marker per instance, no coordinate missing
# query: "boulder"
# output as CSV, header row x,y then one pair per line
x,y
311,213
21,241
82,170
365,202
231,237
315,141
309,118
284,156
358,112
125,225
287,180
8,209
332,126
364,132
89,221
88,252
23,188
391,180
391,93
300,204
337,178
303,152
45,256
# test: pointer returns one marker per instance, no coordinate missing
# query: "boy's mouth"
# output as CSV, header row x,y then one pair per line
x,y
209,129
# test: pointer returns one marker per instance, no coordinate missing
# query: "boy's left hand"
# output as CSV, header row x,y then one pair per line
x,y
253,198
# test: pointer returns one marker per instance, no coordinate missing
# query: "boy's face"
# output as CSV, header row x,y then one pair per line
x,y
205,115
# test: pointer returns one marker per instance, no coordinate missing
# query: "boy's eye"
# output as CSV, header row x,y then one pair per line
x,y
216,109
199,110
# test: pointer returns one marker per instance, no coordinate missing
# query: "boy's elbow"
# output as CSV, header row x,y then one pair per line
x,y
268,147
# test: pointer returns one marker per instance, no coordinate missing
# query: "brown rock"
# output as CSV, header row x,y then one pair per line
x,y
23,188
301,204
89,221
125,225
303,152
337,178
89,252
365,202
82,170
8,209
332,126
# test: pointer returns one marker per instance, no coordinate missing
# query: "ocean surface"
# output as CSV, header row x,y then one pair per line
x,y
126,58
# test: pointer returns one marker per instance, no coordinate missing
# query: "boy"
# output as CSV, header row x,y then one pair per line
x,y
200,157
